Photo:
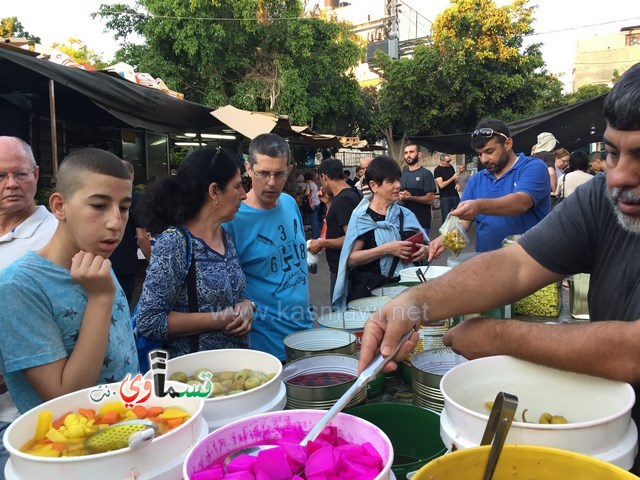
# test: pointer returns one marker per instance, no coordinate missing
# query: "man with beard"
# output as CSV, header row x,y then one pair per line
x,y
595,230
417,187
508,197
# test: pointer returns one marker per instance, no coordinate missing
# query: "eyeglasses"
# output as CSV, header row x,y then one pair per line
x,y
19,176
264,175
486,133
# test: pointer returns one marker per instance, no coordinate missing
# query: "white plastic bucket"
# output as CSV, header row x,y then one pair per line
x,y
262,428
599,410
222,410
411,275
159,459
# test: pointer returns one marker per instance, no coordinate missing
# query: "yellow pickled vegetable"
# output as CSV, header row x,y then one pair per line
x,y
113,407
45,420
45,450
173,412
55,436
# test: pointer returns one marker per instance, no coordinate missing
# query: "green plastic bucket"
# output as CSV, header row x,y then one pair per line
x,y
414,433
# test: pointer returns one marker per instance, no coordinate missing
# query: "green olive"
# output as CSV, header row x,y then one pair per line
x,y
179,377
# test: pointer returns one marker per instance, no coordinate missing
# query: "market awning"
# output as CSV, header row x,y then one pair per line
x,y
251,124
97,98
574,126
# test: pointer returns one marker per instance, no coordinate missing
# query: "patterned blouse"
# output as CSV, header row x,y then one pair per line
x,y
220,284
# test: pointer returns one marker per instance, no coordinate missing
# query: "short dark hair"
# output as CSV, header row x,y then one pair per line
x,y
174,199
88,160
622,105
496,126
412,144
598,156
578,160
271,145
332,168
308,176
382,168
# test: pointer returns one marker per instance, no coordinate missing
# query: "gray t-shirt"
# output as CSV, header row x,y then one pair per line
x,y
582,235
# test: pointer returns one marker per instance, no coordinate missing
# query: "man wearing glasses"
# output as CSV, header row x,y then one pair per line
x,y
23,225
508,197
269,237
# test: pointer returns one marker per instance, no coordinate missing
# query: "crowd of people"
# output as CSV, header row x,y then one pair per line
x,y
229,267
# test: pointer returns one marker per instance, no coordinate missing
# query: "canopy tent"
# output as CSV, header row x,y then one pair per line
x,y
251,124
574,126
96,98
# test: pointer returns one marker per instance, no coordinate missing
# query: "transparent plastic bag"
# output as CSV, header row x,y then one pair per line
x,y
454,236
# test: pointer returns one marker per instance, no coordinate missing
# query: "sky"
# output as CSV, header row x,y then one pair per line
x,y
559,23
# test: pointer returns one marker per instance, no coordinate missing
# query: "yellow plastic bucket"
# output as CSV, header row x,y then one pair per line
x,y
521,462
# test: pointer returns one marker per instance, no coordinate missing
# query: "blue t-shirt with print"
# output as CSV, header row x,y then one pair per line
x,y
528,175
41,323
272,248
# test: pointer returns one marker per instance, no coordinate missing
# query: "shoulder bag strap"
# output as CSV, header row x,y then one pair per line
x,y
192,289
564,179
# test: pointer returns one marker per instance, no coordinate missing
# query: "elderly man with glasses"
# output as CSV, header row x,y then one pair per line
x,y
23,225
269,238
508,197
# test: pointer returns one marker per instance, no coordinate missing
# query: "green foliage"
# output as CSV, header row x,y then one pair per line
x,y
265,55
11,27
588,91
476,66
80,53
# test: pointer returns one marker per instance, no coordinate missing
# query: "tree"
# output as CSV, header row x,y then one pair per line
x,y
261,55
475,66
80,53
11,27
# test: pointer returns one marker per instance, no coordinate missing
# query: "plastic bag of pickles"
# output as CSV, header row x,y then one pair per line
x,y
454,236
546,302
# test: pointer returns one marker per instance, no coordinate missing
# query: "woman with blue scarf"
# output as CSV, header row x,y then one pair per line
x,y
374,238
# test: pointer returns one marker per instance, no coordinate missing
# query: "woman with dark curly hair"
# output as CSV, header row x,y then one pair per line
x,y
188,209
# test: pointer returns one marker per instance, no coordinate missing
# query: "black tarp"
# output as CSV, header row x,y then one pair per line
x,y
574,126
97,98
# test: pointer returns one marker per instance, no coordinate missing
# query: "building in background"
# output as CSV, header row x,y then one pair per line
x,y
598,57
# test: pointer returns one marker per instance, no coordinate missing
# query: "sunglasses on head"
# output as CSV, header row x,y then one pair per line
x,y
486,133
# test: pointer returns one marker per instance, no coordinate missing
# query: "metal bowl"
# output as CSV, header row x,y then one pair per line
x,y
393,289
317,341
427,369
325,396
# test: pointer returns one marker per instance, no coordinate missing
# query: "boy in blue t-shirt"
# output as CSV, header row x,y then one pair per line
x,y
65,320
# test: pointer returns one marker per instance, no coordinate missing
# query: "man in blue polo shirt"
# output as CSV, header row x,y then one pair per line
x,y
508,197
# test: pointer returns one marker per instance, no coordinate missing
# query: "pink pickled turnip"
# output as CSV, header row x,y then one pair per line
x,y
273,462
296,455
320,462
372,452
213,473
242,463
351,469
370,475
239,476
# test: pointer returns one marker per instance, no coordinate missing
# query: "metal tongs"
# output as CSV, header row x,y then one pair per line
x,y
421,275
495,434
